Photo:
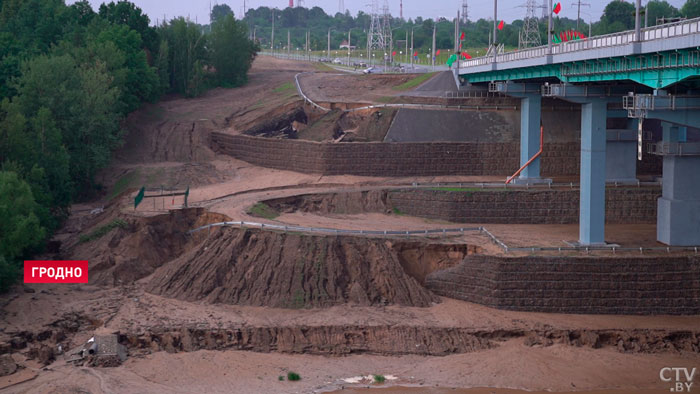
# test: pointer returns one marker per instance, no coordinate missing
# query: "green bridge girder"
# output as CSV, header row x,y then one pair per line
x,y
655,70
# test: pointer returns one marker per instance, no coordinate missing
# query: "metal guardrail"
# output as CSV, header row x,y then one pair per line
x,y
445,231
306,99
414,106
325,230
677,29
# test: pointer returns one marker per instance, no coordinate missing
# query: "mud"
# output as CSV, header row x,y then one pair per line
x,y
399,340
333,203
260,268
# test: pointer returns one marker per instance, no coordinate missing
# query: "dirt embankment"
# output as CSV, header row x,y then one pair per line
x,y
263,268
333,203
137,246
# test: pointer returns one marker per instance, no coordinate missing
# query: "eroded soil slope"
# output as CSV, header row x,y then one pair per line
x,y
138,245
260,268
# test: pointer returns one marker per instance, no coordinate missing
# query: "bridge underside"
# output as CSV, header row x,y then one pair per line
x,y
679,207
654,70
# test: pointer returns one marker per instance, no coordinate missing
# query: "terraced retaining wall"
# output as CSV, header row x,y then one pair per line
x,y
622,205
654,285
392,159
396,159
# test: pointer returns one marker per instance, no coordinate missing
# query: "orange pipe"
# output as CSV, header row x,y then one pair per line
x,y
531,159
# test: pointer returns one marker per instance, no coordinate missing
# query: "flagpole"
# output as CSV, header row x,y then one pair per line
x,y
495,29
549,30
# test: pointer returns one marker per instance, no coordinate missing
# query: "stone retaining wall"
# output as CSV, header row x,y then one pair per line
x,y
392,159
398,159
654,285
632,205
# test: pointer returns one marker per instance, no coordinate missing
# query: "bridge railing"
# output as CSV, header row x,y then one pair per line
x,y
676,29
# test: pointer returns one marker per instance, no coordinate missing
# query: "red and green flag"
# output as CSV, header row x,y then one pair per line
x,y
437,53
466,55
461,38
501,25
557,8
393,53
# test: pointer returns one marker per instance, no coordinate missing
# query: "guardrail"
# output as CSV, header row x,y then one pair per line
x,y
325,230
306,99
676,29
444,231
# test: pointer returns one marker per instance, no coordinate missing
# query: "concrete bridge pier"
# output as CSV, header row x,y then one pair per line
x,y
621,154
530,95
678,215
593,170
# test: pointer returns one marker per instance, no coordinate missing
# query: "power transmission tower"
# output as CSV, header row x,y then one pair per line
x,y
401,9
545,9
579,3
341,6
465,11
300,3
379,36
530,35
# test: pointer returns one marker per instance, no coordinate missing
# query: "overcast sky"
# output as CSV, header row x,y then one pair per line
x,y
507,9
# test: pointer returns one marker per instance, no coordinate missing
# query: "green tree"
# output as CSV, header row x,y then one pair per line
x,y
126,13
660,9
20,230
617,16
186,45
691,9
232,53
219,11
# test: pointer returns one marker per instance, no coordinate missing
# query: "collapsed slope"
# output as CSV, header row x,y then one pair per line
x,y
247,267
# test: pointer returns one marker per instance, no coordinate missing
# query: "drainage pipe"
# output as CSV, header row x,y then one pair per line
x,y
531,159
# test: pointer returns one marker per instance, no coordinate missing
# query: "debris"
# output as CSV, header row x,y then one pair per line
x,y
99,351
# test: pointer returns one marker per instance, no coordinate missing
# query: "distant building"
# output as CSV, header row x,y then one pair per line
x,y
344,45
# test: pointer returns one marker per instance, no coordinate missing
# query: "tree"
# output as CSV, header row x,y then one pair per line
x,y
186,45
20,231
660,9
691,9
618,14
232,53
219,11
126,13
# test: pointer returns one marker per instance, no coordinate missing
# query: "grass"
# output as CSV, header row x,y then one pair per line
x,y
379,379
116,223
123,183
414,82
396,211
293,376
263,210
387,99
322,67
284,87
280,378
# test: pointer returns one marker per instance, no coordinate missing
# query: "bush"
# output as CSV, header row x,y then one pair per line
x,y
293,376
103,230
379,379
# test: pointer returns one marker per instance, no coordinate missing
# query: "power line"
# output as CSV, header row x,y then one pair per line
x,y
579,3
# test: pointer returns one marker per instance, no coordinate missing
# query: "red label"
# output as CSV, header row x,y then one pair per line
x,y
55,271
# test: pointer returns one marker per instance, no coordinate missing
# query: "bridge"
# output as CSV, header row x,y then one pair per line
x,y
650,73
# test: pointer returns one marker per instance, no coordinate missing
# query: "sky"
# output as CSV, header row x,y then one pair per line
x,y
507,9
